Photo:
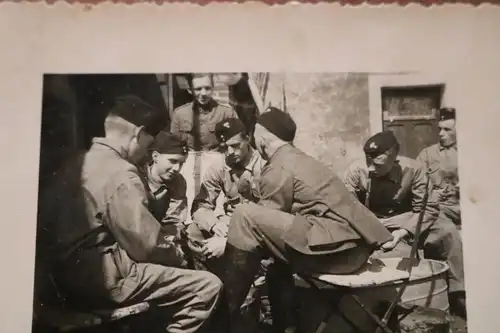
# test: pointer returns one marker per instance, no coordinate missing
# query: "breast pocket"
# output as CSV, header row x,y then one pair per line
x,y
186,127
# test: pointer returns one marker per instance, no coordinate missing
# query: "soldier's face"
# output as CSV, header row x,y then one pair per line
x,y
139,145
381,165
167,166
447,132
236,149
202,89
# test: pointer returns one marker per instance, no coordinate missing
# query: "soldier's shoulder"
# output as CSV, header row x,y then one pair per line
x,y
356,165
430,148
224,107
184,108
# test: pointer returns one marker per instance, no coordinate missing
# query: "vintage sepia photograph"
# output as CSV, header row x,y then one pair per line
x,y
249,202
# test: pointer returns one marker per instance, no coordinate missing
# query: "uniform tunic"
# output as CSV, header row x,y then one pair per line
x,y
109,250
237,189
196,125
306,216
443,164
397,199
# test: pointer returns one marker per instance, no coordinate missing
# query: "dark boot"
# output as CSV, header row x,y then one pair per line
x,y
241,268
457,304
281,291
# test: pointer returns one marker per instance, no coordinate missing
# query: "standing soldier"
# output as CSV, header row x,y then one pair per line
x,y
442,161
393,188
306,220
109,250
195,122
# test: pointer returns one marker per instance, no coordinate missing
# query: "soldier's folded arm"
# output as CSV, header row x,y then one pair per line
x,y
203,207
276,189
135,229
418,189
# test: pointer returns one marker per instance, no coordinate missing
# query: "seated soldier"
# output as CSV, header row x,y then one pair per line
x,y
235,175
108,250
306,220
442,160
393,187
166,186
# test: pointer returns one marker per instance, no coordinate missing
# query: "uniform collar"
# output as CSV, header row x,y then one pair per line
x,y
212,104
155,188
453,146
280,149
110,144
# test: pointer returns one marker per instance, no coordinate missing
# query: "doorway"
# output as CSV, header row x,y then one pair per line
x,y
407,105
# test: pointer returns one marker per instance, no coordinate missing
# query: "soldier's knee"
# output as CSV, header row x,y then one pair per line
x,y
210,286
243,214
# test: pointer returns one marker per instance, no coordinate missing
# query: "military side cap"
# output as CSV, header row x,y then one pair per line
x,y
380,143
169,143
446,113
226,129
279,123
136,111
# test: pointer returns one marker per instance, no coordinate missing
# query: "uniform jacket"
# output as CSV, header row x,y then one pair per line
x,y
402,190
443,165
219,177
97,213
332,219
197,127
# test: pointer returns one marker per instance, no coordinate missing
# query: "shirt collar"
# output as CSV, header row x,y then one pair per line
x,y
441,148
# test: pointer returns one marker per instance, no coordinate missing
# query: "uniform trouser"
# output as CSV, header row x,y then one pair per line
x,y
256,228
440,241
217,266
184,298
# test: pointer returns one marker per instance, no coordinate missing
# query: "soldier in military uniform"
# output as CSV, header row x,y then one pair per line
x,y
306,220
195,122
235,175
108,250
393,188
441,158
166,187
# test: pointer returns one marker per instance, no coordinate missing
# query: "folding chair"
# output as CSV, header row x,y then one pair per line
x,y
59,318
394,272
377,273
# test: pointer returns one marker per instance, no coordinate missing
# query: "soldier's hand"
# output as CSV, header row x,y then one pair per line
x,y
397,235
214,247
220,229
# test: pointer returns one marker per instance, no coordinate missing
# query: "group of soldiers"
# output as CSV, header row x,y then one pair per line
x,y
114,216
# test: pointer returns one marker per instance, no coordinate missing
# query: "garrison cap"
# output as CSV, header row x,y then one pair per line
x,y
279,123
226,129
446,113
136,111
380,143
169,143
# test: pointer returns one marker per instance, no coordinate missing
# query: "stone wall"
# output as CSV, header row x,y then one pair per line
x,y
331,111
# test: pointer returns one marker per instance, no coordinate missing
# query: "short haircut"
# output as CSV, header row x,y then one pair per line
x,y
192,76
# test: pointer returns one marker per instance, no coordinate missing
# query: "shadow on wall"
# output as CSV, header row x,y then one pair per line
x,y
331,111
